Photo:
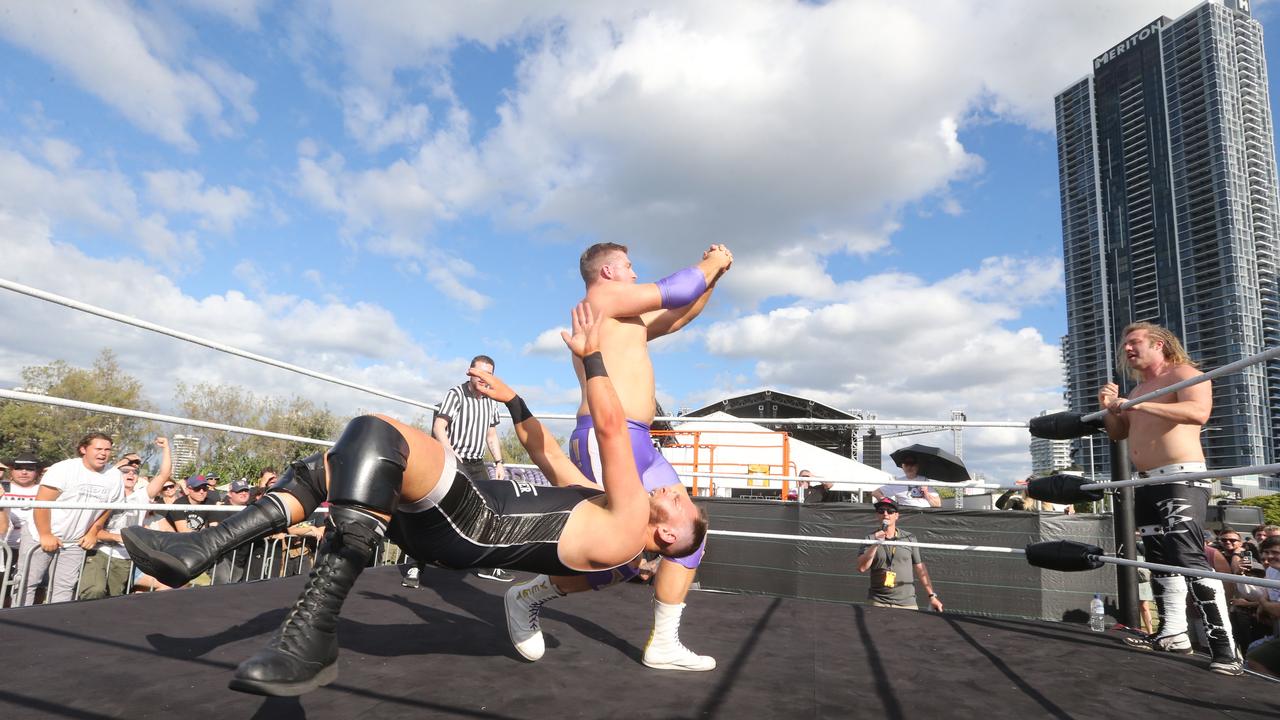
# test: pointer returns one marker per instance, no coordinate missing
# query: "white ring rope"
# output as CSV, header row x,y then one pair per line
x,y
108,410
231,350
23,504
214,345
867,541
1186,477
1203,377
1244,579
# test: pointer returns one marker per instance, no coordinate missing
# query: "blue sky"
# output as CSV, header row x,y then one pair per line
x,y
381,191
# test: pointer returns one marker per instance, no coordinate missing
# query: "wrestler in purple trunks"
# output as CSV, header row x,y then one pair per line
x,y
655,472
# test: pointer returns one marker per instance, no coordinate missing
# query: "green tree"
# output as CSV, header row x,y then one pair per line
x,y
232,456
51,432
513,452
1270,505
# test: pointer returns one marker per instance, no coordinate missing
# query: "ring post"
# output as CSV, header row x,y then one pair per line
x,y
1126,543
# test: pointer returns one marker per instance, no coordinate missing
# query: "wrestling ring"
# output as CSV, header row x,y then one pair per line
x,y
443,650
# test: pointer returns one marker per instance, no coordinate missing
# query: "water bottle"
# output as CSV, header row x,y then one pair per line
x,y
1097,614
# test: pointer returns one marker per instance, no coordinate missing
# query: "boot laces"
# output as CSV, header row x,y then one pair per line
x,y
535,610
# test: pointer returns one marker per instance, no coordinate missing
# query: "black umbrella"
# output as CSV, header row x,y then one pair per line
x,y
933,463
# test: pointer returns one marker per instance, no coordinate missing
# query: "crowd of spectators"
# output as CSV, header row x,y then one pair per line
x,y
1255,611
55,555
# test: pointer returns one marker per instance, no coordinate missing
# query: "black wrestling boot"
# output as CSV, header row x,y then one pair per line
x,y
175,558
303,654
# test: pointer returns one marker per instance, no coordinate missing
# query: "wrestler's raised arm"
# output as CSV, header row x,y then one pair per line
x,y
628,502
677,290
664,322
542,446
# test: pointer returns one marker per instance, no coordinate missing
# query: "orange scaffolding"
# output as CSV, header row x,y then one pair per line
x,y
704,455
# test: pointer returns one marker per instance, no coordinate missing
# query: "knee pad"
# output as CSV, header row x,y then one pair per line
x,y
305,480
353,532
366,465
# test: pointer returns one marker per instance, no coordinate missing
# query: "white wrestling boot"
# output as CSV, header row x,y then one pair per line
x,y
523,603
664,650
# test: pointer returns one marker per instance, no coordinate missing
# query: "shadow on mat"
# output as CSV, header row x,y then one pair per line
x,y
996,661
1103,641
278,708
1216,705
455,589
194,647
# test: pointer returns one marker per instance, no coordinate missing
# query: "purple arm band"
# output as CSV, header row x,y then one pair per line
x,y
682,287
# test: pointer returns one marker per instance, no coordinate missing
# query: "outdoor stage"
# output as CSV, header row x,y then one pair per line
x,y
442,651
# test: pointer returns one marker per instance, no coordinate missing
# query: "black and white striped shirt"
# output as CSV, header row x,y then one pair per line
x,y
470,417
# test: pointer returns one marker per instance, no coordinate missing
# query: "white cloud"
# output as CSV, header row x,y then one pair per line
x,y
791,131
218,208
905,349
243,13
126,58
360,342
548,343
102,200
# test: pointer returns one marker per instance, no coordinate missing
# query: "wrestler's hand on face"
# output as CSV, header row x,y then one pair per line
x,y
491,386
586,331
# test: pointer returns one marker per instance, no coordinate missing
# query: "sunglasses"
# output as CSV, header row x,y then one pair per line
x,y
202,488
168,487
886,511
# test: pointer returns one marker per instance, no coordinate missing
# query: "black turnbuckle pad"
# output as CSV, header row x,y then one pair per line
x,y
1064,555
1063,426
1062,490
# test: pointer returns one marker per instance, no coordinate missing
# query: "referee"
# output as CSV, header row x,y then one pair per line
x,y
468,422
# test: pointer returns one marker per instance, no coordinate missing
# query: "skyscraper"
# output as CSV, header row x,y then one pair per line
x,y
1168,187
1048,456
186,452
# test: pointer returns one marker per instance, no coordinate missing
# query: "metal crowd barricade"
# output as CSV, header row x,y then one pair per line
x,y
50,573
264,559
8,569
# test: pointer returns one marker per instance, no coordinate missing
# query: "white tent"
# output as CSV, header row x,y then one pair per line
x,y
734,447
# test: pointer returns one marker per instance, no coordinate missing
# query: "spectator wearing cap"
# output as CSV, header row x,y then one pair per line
x,y
233,566
58,538
199,492
107,570
22,482
894,569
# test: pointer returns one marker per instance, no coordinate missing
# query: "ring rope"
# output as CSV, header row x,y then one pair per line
x,y
1185,477
1244,579
1203,377
232,350
212,344
23,504
108,410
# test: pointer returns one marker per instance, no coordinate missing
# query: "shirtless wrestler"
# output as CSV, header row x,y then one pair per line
x,y
1164,439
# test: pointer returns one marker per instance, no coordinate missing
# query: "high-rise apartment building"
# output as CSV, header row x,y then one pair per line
x,y
1048,456
1167,178
185,452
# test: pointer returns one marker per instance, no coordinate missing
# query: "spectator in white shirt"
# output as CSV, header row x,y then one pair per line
x,y
107,568
60,537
